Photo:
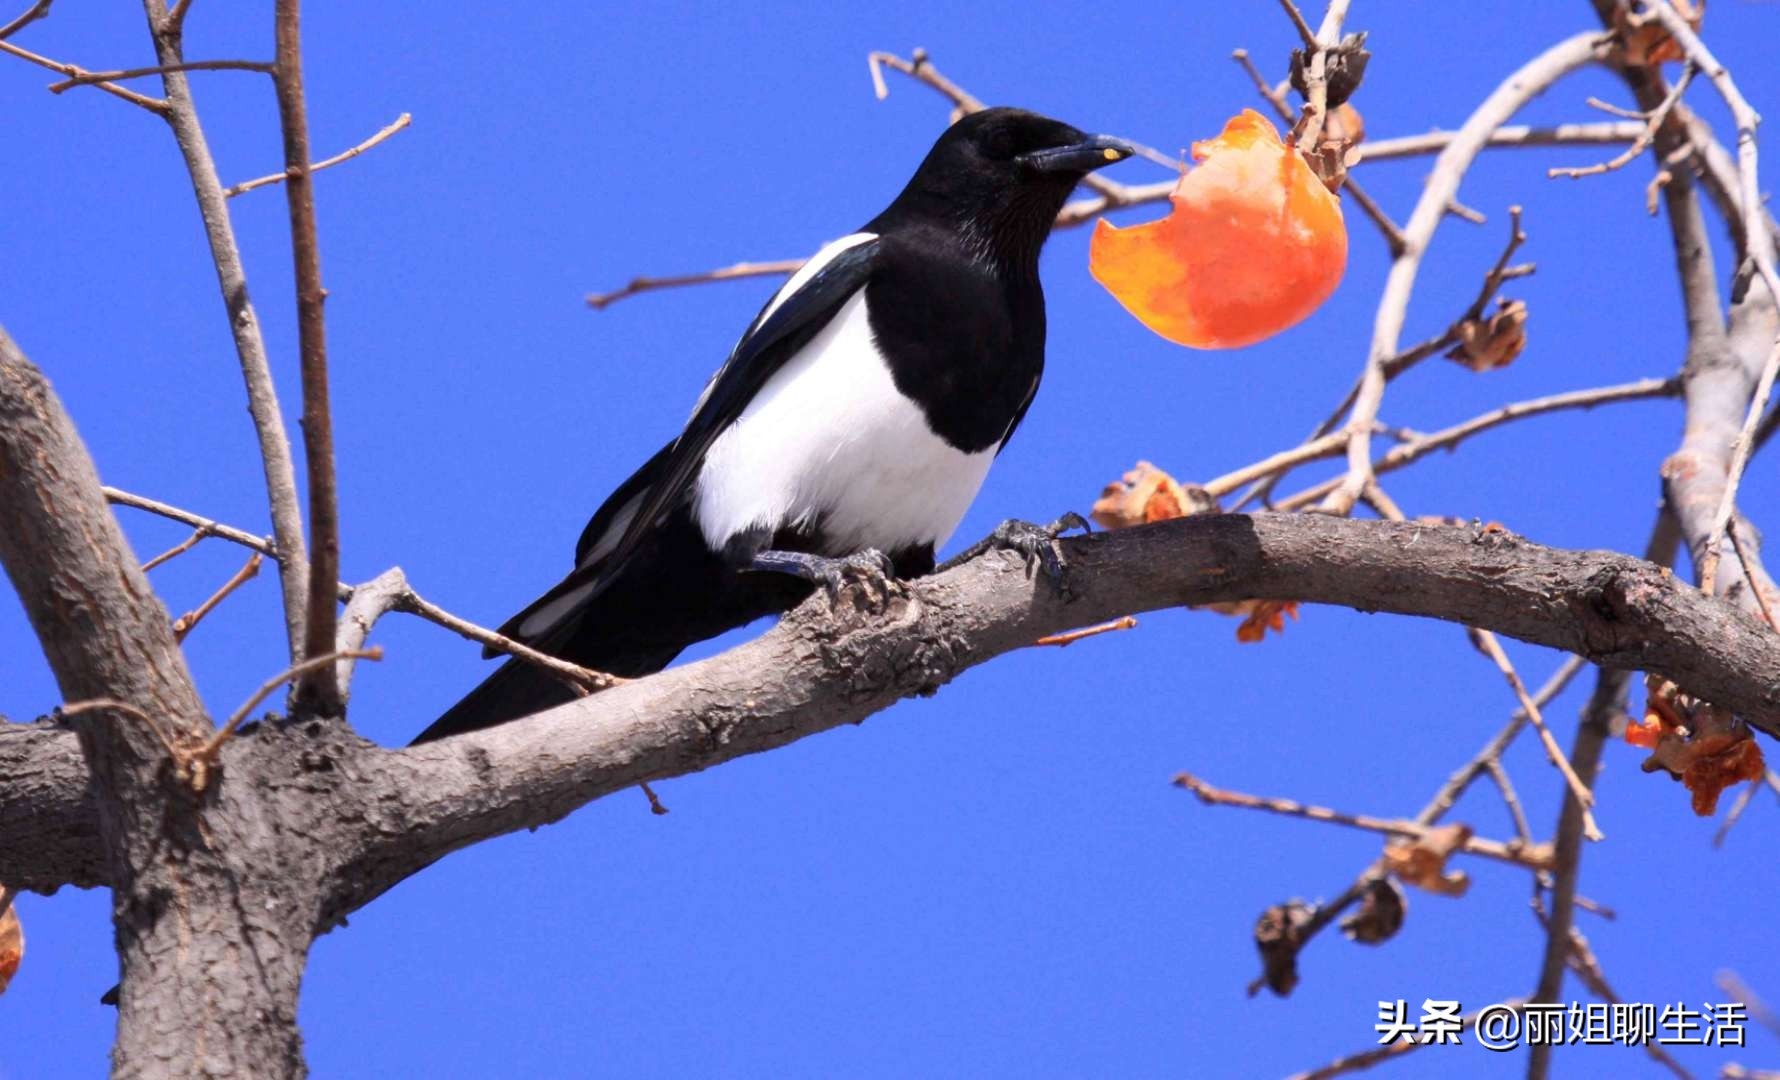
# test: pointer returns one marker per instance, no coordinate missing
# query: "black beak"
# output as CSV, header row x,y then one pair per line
x,y
1083,157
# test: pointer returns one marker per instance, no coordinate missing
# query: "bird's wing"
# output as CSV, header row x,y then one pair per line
x,y
1019,414
787,323
795,315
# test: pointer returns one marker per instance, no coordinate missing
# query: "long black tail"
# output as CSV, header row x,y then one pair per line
x,y
516,689
672,594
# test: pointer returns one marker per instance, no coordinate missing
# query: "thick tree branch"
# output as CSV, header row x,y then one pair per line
x,y
103,632
819,670
49,814
815,672
175,860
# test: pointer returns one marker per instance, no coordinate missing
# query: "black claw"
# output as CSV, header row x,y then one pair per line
x,y
870,567
1070,520
1036,544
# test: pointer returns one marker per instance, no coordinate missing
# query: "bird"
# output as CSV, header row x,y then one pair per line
x,y
844,437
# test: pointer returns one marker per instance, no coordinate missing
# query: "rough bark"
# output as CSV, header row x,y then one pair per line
x,y
383,814
209,940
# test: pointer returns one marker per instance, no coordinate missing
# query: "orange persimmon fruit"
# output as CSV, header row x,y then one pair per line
x,y
1254,244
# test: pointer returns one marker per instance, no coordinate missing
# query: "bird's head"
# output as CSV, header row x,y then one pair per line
x,y
1000,175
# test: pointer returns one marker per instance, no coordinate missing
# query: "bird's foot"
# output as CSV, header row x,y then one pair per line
x,y
1037,544
870,567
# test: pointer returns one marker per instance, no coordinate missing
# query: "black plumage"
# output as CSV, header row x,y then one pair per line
x,y
846,433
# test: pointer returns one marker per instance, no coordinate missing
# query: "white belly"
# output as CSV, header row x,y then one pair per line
x,y
830,442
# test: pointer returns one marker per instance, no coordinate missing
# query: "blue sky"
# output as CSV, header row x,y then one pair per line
x,y
998,880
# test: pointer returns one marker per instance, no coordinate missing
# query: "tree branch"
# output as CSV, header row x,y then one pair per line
x,y
1529,82
153,105
317,688
38,10
816,671
92,77
103,632
394,126
1758,248
49,813
244,324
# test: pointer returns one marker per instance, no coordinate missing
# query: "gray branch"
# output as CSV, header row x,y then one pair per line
x,y
819,670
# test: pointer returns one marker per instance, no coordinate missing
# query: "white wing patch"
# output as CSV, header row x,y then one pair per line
x,y
798,280
614,531
542,620
829,438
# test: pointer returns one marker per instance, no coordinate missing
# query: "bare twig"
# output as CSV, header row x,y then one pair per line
x,y
1268,94
1499,273
1305,33
317,687
655,806
1459,210
1393,234
1656,118
1769,424
396,125
1736,812
920,68
1738,990
390,591
178,549
1579,791
295,671
1498,772
1759,245
1587,967
175,21
38,10
1488,644
185,623
92,77
76,708
584,679
1277,465
1508,136
153,105
1535,857
1437,807
1750,574
1442,186
1070,637
244,326
1309,132
779,267
1585,757
202,525
1420,446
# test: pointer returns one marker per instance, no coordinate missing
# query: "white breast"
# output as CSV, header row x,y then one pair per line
x,y
830,440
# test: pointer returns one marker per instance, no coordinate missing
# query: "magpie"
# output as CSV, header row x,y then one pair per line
x,y
846,434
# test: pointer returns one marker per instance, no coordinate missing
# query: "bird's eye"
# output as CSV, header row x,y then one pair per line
x,y
999,145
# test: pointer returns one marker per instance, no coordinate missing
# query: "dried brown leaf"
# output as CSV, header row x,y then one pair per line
x,y
1705,747
12,946
1422,862
1380,915
1147,494
1343,69
1279,934
1646,41
1492,341
1258,616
